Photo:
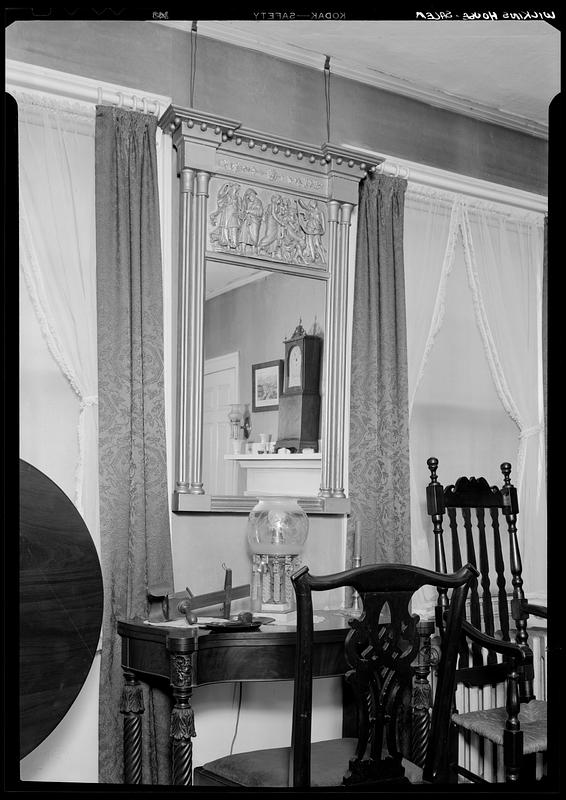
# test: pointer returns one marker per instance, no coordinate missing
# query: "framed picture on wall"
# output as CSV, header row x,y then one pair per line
x,y
267,384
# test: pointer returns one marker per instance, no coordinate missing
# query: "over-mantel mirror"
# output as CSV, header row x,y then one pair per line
x,y
262,315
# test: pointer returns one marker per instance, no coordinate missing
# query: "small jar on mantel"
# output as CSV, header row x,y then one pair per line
x,y
277,531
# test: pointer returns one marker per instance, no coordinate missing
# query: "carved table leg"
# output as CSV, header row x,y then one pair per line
x,y
131,706
422,696
182,719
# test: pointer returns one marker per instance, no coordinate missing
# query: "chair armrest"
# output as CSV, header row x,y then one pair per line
x,y
538,611
510,649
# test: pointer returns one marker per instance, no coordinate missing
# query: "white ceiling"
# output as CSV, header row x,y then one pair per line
x,y
222,278
506,72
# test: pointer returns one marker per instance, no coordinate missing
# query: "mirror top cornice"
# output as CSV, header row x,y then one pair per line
x,y
229,138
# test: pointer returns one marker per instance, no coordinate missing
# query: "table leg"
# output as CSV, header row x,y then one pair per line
x,y
131,706
422,696
182,720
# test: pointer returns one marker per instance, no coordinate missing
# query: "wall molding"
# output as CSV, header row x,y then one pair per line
x,y
433,177
30,77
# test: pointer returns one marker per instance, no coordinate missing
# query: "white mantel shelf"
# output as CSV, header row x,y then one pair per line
x,y
281,470
292,457
279,473
275,474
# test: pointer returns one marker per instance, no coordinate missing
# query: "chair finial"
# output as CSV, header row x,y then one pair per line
x,y
506,470
432,464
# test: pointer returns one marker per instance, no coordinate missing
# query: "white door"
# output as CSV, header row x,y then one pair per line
x,y
221,389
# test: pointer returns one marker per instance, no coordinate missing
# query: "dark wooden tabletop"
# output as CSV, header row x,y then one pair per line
x,y
60,605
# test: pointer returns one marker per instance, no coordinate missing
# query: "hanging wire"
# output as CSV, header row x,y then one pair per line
x,y
327,95
193,67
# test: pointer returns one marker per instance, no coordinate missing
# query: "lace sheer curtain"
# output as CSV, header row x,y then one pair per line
x,y
58,360
57,261
502,250
429,239
504,259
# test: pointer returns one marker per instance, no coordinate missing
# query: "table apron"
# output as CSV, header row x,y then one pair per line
x,y
232,661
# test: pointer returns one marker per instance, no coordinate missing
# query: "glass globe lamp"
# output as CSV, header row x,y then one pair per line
x,y
277,531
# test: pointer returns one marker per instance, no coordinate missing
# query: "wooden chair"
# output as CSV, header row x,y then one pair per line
x,y
498,612
380,652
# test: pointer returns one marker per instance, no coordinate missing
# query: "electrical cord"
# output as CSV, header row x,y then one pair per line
x,y
237,688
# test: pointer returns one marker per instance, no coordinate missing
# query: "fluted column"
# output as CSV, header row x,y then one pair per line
x,y
334,411
329,406
341,348
192,238
183,324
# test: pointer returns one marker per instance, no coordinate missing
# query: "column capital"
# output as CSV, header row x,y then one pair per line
x,y
333,210
187,176
346,213
202,182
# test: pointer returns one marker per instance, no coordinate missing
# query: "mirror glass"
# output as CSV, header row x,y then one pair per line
x,y
247,317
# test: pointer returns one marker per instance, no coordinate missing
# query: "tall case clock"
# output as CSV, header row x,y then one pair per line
x,y
299,404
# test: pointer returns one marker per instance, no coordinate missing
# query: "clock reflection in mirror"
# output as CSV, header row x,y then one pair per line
x,y
249,316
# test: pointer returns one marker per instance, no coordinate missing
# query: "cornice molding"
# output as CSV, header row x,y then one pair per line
x,y
186,122
30,77
423,175
380,80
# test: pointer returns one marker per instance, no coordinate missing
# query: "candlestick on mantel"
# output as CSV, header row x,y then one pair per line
x,y
357,561
358,544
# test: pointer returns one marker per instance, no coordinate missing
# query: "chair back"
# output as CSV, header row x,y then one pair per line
x,y
380,651
480,518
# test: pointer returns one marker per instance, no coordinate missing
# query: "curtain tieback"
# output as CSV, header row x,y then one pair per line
x,y
532,431
89,400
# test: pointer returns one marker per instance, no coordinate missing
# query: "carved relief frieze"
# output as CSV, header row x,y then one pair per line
x,y
270,174
250,221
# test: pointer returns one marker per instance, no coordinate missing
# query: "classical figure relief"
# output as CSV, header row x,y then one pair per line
x,y
227,217
312,223
269,243
251,216
280,227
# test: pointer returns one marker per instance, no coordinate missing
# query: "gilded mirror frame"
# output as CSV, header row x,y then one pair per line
x,y
210,148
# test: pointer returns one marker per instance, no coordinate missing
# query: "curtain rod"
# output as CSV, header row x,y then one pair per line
x,y
131,101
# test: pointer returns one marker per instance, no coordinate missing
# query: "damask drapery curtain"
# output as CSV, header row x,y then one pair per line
x,y
134,518
379,430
